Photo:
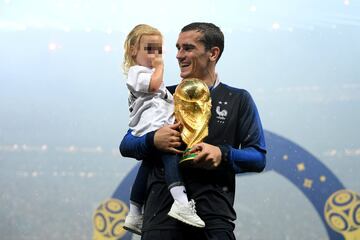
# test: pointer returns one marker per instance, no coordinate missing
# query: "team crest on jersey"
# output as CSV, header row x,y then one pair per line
x,y
221,112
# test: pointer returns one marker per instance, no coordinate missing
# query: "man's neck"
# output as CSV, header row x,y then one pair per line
x,y
210,80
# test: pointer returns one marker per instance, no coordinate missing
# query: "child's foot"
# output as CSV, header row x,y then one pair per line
x,y
133,223
186,213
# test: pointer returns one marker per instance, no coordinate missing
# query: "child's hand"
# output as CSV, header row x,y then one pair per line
x,y
157,76
156,59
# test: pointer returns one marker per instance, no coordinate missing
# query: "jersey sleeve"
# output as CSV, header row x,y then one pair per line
x,y
244,160
250,129
137,147
251,156
139,79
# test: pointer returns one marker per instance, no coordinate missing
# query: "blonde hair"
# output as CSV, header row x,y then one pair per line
x,y
133,40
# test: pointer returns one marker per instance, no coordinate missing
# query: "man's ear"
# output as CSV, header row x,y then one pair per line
x,y
214,54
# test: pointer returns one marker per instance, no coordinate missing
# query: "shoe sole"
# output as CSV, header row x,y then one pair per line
x,y
178,217
132,229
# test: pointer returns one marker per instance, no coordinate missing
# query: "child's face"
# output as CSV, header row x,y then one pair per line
x,y
149,45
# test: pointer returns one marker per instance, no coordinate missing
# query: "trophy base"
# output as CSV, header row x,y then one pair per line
x,y
187,157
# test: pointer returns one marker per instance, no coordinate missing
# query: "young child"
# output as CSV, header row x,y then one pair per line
x,y
151,107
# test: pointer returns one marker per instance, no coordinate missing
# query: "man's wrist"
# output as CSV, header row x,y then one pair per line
x,y
224,149
149,140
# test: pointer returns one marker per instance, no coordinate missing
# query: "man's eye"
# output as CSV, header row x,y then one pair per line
x,y
188,48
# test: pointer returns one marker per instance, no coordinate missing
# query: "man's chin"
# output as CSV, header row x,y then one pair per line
x,y
184,75
188,74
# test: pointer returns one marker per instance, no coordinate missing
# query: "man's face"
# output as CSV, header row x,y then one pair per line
x,y
148,46
192,57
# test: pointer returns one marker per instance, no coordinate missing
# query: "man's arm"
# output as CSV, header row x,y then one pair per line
x,y
241,160
137,147
248,159
251,156
165,139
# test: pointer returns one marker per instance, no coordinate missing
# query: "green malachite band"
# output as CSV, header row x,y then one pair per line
x,y
187,156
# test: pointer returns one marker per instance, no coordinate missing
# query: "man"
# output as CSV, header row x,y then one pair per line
x,y
235,144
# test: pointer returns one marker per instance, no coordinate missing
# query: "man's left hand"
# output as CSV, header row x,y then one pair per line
x,y
207,156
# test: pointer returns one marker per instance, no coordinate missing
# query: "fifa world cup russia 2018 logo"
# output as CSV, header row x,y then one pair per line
x,y
108,220
342,213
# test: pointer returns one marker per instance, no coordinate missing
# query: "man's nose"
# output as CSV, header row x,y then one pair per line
x,y
180,54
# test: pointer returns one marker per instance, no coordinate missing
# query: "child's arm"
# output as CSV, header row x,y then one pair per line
x,y
157,76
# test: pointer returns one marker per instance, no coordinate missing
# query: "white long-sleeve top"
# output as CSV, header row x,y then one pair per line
x,y
148,110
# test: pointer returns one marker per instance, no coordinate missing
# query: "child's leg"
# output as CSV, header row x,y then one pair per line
x,y
173,177
134,220
138,190
182,209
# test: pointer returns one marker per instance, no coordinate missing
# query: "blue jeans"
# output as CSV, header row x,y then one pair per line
x,y
171,168
172,177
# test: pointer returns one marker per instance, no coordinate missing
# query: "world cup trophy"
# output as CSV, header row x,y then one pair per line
x,y
193,110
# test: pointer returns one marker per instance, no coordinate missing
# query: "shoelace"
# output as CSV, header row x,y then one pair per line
x,y
192,205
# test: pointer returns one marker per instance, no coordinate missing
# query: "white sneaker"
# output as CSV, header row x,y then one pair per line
x,y
133,223
186,213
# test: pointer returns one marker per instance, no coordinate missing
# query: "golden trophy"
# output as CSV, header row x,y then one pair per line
x,y
193,110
